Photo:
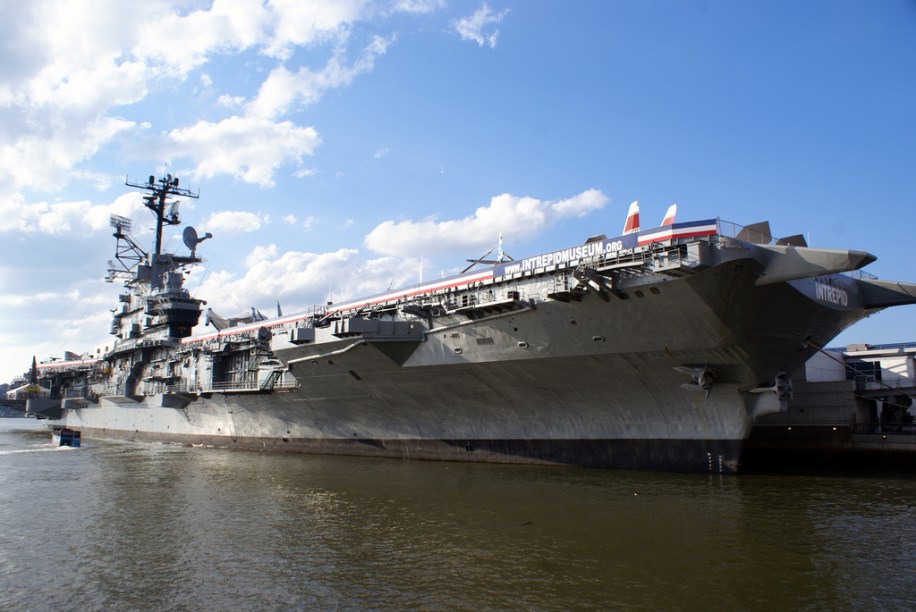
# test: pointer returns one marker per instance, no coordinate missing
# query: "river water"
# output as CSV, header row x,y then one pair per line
x,y
116,525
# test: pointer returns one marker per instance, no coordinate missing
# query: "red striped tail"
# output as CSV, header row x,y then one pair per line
x,y
632,224
669,216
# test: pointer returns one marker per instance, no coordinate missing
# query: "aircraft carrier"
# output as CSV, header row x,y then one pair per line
x,y
655,349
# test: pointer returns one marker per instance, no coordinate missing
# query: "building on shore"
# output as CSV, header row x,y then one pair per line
x,y
850,405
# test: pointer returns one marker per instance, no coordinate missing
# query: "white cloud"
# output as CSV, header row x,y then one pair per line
x,y
473,26
300,23
419,6
62,218
260,254
22,299
305,172
52,312
282,88
100,180
51,297
299,280
524,216
230,222
44,157
379,153
290,219
228,26
248,148
67,71
64,68
251,147
230,101
580,205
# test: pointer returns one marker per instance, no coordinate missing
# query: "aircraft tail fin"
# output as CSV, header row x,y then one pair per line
x,y
669,216
632,224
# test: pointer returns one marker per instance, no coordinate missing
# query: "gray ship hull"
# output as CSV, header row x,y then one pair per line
x,y
492,414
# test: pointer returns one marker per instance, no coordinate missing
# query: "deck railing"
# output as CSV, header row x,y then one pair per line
x,y
231,386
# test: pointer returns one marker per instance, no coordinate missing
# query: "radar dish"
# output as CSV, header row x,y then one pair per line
x,y
190,238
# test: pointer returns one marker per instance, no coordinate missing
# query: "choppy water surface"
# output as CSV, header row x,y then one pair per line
x,y
137,526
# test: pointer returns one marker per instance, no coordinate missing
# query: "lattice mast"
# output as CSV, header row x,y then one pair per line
x,y
128,253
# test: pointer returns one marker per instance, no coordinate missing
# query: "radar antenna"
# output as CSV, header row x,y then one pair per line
x,y
501,256
127,252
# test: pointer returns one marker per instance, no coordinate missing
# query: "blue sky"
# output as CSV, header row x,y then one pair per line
x,y
337,145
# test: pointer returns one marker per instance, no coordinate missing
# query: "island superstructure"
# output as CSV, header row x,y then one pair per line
x,y
656,349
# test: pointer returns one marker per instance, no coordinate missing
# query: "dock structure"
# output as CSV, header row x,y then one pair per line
x,y
851,405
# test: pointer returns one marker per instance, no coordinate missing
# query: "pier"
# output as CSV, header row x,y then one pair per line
x,y
850,407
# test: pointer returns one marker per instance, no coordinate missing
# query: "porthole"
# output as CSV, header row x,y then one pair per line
x,y
654,290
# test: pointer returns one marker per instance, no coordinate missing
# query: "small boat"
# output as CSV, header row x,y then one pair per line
x,y
65,437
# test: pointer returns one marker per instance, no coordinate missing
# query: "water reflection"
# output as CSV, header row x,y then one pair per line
x,y
140,526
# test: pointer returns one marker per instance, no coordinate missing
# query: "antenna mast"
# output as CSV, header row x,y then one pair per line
x,y
155,201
